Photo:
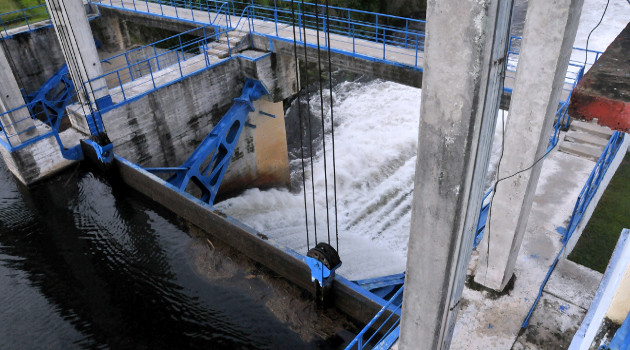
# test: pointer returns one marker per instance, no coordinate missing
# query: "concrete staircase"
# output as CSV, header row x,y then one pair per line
x,y
221,49
586,140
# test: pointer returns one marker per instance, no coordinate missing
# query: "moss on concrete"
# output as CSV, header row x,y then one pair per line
x,y
611,215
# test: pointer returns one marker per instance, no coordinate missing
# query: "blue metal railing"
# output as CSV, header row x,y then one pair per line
x,y
23,17
150,67
378,336
584,199
31,123
359,33
592,183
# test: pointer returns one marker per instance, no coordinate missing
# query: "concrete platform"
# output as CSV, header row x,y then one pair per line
x,y
491,321
604,91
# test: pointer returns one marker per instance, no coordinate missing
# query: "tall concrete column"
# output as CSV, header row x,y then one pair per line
x,y
466,49
548,37
18,124
77,43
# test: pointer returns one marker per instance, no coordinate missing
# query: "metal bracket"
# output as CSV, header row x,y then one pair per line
x,y
206,166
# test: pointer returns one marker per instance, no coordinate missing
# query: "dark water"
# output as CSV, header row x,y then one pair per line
x,y
83,265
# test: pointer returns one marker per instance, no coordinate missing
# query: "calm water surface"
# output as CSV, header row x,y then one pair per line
x,y
85,265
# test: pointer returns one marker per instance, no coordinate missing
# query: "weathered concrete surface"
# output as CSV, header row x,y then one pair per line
x,y
493,321
17,125
604,91
41,159
461,93
37,55
163,127
549,33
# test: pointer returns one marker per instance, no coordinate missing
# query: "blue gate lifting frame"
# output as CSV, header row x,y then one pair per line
x,y
206,166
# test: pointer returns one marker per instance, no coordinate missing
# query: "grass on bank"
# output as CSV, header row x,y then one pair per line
x,y
17,19
611,215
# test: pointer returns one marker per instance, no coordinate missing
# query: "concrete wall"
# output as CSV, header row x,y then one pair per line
x,y
35,161
620,304
376,69
163,127
37,56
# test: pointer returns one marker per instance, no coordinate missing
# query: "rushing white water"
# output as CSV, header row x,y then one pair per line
x,y
376,130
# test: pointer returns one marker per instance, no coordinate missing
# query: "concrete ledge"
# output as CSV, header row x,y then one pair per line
x,y
348,297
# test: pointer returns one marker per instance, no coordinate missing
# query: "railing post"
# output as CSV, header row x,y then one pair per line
x,y
128,67
349,20
151,72
252,17
157,58
134,5
300,20
26,20
406,31
417,37
384,39
176,14
227,37
181,73
325,29
275,15
353,46
376,31
181,46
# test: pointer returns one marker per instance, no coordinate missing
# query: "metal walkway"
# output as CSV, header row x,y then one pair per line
x,y
365,38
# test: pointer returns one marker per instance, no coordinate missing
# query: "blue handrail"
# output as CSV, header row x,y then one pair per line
x,y
393,306
584,199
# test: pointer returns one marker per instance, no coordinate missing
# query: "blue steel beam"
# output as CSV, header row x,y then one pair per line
x,y
206,166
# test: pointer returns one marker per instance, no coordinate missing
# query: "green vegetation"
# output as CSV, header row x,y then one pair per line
x,y
611,215
18,19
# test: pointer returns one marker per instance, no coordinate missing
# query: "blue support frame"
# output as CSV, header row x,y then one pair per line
x,y
206,166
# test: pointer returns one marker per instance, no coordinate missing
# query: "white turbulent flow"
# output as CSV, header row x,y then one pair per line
x,y
376,132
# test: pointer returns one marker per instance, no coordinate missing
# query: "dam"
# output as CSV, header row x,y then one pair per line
x,y
195,107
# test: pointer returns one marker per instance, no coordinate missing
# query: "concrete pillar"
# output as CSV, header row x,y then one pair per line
x,y
548,38
18,124
466,49
77,43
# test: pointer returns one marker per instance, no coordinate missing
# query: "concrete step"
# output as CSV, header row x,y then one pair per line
x,y
591,128
220,53
581,150
585,138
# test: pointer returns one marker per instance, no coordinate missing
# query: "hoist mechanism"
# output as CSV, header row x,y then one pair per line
x,y
206,166
323,261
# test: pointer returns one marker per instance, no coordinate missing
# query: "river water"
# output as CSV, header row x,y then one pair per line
x,y
84,264
87,265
